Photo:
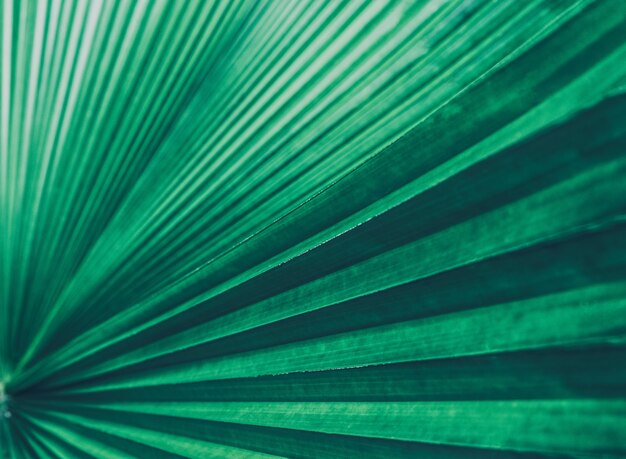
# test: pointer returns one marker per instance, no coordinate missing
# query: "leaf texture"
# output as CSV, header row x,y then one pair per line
x,y
312,229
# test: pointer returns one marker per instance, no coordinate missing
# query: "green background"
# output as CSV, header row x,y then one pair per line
x,y
312,229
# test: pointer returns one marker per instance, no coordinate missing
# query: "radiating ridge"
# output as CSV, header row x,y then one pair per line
x,y
312,229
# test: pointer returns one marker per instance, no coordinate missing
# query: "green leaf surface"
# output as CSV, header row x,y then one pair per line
x,y
312,229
